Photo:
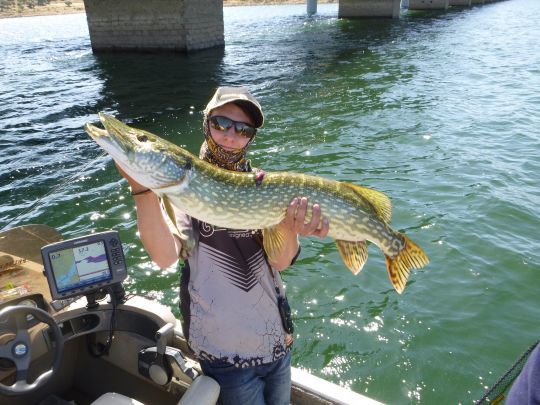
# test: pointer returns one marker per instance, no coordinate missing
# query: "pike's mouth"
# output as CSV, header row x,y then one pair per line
x,y
115,147
95,132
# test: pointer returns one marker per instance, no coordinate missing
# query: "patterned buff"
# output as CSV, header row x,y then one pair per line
x,y
211,152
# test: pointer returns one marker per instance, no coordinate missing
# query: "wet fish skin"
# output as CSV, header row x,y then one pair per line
x,y
237,201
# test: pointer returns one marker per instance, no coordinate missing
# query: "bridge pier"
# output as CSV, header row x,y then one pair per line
x,y
311,7
460,3
154,25
428,4
368,8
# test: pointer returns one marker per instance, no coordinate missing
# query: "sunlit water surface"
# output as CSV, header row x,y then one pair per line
x,y
441,111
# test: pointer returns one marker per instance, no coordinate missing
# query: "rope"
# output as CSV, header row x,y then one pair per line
x,y
499,388
53,190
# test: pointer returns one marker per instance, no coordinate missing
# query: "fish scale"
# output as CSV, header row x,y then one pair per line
x,y
237,200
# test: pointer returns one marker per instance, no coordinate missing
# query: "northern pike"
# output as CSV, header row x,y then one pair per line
x,y
238,200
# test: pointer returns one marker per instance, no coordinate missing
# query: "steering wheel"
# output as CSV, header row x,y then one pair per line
x,y
18,349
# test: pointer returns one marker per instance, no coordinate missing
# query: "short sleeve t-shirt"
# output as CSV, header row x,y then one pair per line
x,y
228,296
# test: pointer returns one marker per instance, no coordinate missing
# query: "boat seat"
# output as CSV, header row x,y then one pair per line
x,y
113,398
202,391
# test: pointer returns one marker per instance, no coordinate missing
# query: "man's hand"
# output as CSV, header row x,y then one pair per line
x,y
295,219
294,224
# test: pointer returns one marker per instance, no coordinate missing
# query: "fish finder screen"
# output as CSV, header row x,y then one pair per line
x,y
80,266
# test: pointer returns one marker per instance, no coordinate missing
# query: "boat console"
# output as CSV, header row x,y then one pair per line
x,y
90,340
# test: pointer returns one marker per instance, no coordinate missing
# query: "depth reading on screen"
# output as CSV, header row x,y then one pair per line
x,y
80,266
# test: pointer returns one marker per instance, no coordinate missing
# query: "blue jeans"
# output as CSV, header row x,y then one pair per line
x,y
268,384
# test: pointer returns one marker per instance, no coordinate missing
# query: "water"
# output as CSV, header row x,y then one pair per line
x,y
439,110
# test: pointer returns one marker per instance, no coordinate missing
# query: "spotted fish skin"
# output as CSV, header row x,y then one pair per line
x,y
233,200
240,201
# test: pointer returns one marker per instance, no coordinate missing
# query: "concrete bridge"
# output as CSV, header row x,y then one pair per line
x,y
187,25
442,4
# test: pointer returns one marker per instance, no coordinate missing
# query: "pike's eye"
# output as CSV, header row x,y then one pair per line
x,y
142,138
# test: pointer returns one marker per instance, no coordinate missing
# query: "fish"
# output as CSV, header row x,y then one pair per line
x,y
237,200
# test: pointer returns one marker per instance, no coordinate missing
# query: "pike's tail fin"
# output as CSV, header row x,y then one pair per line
x,y
411,257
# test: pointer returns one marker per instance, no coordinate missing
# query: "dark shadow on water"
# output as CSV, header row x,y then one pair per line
x,y
327,46
140,84
163,93
370,31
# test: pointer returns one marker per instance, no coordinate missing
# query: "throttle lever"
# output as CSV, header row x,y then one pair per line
x,y
160,363
162,337
160,370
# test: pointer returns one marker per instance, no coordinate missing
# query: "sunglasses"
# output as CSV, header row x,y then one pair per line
x,y
224,124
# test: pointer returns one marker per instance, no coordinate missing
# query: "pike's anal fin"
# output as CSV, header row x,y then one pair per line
x,y
354,254
273,242
399,267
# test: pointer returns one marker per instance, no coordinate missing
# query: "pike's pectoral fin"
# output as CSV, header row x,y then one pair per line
x,y
273,242
354,254
399,267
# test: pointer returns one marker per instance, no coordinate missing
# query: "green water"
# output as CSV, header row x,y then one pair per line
x,y
441,111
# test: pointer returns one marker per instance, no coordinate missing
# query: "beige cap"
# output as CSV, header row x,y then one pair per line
x,y
239,95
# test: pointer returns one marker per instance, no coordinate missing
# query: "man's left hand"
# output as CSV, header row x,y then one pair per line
x,y
295,219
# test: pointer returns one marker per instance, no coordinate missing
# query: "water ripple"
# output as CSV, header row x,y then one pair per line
x,y
427,108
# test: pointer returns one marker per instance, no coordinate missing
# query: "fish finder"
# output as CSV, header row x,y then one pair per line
x,y
85,265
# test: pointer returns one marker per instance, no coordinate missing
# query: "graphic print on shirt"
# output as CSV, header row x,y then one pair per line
x,y
233,314
243,277
207,230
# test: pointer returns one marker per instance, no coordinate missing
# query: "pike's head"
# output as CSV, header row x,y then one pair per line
x,y
147,158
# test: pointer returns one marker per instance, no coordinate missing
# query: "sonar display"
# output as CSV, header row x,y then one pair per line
x,y
80,266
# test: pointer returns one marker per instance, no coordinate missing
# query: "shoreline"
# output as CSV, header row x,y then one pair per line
x,y
59,7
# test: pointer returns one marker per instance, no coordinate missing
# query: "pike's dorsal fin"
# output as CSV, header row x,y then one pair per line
x,y
354,254
273,242
378,200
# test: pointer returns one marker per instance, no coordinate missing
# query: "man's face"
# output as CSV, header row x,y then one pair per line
x,y
230,139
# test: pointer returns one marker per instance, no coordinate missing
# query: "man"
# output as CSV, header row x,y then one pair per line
x,y
233,302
